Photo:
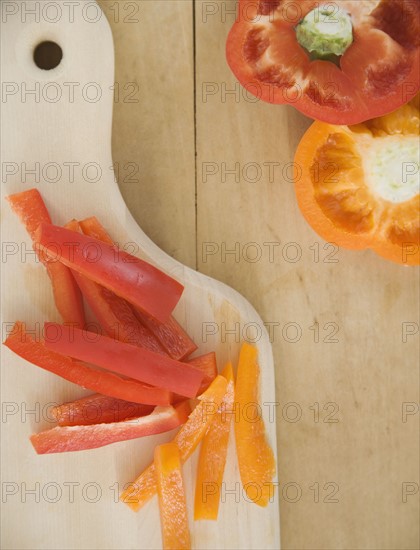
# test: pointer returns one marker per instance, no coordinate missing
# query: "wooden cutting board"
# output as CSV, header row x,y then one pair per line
x,y
57,138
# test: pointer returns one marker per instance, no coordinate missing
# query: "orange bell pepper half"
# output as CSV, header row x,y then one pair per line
x,y
358,186
97,409
213,451
139,282
189,436
170,334
62,439
31,209
172,500
255,457
107,383
132,361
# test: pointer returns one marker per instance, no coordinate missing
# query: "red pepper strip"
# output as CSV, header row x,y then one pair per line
x,y
92,227
32,211
138,363
137,281
206,363
208,366
88,377
172,499
62,439
171,335
116,316
97,409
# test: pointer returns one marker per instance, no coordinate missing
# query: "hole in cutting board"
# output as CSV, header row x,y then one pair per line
x,y
48,55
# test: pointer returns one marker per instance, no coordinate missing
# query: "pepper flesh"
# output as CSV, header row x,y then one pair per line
x,y
189,436
107,383
115,315
32,211
255,457
137,281
172,499
376,74
355,188
170,334
213,452
97,409
62,439
132,361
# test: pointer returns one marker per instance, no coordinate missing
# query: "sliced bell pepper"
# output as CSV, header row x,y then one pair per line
x,y
359,185
137,363
137,281
171,335
62,439
213,452
31,209
340,62
256,460
115,315
97,409
207,364
189,436
107,383
172,499
93,228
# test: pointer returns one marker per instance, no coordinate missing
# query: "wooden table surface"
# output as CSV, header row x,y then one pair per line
x,y
205,169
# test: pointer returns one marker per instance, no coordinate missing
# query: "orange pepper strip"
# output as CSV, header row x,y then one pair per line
x,y
172,500
255,456
187,439
213,453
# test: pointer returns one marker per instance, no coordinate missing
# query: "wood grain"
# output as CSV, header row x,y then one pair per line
x,y
359,446
153,141
371,373
71,500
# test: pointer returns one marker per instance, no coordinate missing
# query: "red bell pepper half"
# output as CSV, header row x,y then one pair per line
x,y
97,409
31,209
138,363
171,335
340,62
22,343
79,438
137,281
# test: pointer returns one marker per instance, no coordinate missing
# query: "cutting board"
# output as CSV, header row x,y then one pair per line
x,y
58,139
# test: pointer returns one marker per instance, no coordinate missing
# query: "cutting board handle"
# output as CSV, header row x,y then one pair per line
x,y
60,120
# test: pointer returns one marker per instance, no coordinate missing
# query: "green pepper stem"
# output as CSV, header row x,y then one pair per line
x,y
325,32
